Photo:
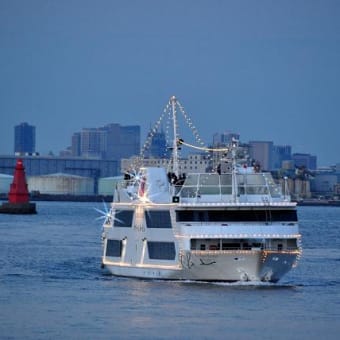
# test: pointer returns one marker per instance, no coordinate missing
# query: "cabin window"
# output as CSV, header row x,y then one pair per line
x,y
114,248
158,219
193,244
123,218
161,250
236,215
284,215
291,243
225,244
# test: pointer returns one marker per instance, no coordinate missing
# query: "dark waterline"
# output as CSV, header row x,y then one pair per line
x,y
51,286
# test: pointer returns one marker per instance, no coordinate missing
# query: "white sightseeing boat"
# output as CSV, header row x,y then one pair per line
x,y
230,225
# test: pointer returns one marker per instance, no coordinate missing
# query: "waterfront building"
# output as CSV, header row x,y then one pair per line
x,y
93,143
325,184
337,167
5,183
61,184
194,163
107,185
224,139
261,152
45,165
158,146
75,149
281,155
122,141
24,139
305,160
111,142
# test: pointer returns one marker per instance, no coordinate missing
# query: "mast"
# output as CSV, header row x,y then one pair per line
x,y
234,145
173,101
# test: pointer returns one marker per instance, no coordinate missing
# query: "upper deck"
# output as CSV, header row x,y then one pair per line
x,y
247,187
244,188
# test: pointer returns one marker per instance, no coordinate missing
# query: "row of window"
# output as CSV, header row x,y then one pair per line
x,y
157,250
161,218
242,244
236,216
167,250
154,218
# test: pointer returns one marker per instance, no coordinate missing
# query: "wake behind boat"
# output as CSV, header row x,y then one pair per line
x,y
230,224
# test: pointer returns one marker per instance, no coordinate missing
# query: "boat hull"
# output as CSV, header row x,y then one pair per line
x,y
230,266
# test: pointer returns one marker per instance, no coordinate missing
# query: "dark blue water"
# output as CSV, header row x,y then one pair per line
x,y
51,286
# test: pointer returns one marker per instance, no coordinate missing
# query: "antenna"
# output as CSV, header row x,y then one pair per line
x,y
173,101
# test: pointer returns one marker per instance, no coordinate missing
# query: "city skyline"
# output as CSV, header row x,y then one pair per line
x,y
267,71
208,142
102,145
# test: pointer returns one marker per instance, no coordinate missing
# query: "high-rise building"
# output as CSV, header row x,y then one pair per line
x,y
93,143
261,152
122,141
76,144
224,139
24,138
281,153
305,160
112,142
158,146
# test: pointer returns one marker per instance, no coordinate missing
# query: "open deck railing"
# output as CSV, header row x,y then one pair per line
x,y
205,186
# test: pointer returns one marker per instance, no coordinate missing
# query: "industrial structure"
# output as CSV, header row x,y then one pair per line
x,y
46,165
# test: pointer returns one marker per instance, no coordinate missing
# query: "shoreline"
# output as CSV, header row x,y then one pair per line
x,y
109,199
65,198
320,203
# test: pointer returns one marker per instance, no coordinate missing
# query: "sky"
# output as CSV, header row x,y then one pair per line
x,y
268,70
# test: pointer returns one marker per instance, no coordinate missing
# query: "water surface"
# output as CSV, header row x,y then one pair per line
x,y
51,286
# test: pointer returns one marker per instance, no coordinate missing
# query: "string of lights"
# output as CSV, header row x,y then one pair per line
x,y
203,148
164,123
167,118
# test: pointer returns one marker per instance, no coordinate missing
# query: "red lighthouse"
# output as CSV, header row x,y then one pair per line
x,y
18,192
18,196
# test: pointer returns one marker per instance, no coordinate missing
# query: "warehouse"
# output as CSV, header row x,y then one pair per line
x,y
61,184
